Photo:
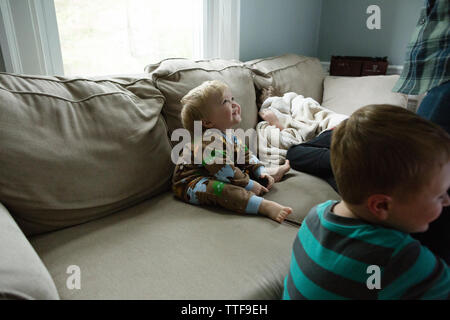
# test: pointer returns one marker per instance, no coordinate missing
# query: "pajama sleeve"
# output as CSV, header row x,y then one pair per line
x,y
252,164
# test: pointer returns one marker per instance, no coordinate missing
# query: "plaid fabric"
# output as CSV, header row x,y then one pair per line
x,y
427,62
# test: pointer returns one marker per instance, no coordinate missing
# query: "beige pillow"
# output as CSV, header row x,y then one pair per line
x,y
76,149
176,77
290,73
347,94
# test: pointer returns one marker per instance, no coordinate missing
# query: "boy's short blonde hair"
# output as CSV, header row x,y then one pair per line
x,y
384,149
195,103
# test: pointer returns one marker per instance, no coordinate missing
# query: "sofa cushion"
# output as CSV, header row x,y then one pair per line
x,y
290,73
301,192
167,249
347,94
22,273
176,77
76,149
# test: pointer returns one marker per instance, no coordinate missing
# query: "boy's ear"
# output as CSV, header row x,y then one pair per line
x,y
207,124
379,205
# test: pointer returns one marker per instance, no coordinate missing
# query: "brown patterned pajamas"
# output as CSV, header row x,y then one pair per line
x,y
224,184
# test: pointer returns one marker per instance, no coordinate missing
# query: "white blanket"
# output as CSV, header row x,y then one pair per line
x,y
302,119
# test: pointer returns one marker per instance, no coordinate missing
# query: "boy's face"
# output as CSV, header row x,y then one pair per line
x,y
415,214
224,112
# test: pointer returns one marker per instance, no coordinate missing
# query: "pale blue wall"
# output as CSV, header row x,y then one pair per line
x,y
343,28
323,28
270,28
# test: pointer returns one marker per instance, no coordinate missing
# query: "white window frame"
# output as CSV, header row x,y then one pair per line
x,y
29,37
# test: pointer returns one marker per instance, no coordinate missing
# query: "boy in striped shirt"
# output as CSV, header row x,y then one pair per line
x,y
392,169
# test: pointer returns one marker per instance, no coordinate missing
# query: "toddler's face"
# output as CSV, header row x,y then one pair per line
x,y
415,215
224,112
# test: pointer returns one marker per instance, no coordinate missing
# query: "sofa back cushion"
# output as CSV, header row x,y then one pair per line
x,y
76,149
347,94
176,77
290,73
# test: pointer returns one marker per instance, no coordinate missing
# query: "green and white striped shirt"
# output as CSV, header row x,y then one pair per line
x,y
332,254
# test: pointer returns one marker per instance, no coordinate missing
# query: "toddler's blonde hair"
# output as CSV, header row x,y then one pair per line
x,y
196,102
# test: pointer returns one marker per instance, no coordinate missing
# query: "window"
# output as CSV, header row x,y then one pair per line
x,y
123,36
107,37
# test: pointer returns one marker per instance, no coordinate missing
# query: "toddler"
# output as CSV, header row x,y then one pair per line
x,y
231,185
392,169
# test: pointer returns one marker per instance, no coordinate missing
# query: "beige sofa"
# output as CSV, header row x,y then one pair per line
x,y
85,173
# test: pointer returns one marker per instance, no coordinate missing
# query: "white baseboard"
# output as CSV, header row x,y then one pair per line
x,y
392,69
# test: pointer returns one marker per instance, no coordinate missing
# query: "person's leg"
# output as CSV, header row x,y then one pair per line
x,y
323,140
208,191
436,108
311,160
237,199
313,157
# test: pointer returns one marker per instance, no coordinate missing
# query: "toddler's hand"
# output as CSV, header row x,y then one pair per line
x,y
269,178
258,189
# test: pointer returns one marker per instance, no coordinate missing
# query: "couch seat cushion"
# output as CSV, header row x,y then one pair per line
x,y
301,192
347,94
166,249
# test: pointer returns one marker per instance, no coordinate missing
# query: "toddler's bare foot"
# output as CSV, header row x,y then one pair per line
x,y
274,211
279,172
271,118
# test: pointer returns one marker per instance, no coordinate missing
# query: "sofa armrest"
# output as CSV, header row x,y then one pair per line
x,y
22,273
